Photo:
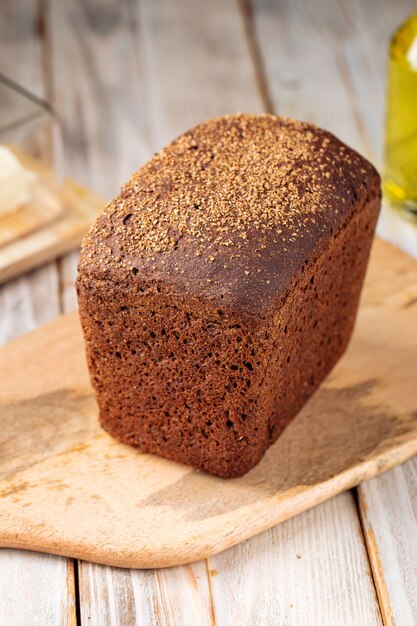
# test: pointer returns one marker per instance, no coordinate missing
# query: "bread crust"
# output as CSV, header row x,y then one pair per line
x,y
206,335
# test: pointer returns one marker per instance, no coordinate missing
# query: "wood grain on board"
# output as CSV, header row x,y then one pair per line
x,y
69,488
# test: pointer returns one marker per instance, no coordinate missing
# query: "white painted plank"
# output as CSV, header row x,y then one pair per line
x,y
128,77
21,45
388,506
98,88
197,64
67,268
178,595
311,570
302,46
36,589
327,63
371,25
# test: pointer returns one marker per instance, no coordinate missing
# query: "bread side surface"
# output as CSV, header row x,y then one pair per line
x,y
311,330
203,342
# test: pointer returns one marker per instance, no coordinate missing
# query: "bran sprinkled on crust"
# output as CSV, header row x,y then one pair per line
x,y
220,181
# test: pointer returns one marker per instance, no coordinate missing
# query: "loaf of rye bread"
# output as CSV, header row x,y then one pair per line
x,y
221,286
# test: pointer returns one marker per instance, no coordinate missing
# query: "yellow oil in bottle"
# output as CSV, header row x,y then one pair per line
x,y
400,169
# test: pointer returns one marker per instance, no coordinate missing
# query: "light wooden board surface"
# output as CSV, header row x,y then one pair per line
x,y
230,588
86,153
68,488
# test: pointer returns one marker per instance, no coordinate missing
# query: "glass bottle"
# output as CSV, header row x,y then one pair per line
x,y
400,167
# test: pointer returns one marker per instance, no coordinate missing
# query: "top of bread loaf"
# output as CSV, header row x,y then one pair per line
x,y
231,210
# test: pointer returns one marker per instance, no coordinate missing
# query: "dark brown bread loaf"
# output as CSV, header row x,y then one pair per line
x,y
221,286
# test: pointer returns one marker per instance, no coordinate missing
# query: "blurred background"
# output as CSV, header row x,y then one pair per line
x,y
124,77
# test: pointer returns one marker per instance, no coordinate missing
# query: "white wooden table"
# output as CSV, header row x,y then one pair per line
x,y
126,77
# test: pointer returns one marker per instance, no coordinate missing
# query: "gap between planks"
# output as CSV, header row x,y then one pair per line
x,y
380,593
388,507
255,52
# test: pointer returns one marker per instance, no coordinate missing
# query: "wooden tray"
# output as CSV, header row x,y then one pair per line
x,y
45,206
53,224
68,488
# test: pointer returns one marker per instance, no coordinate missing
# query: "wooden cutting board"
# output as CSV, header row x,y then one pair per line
x,y
68,488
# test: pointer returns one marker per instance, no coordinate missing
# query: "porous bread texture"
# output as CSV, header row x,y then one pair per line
x,y
221,286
